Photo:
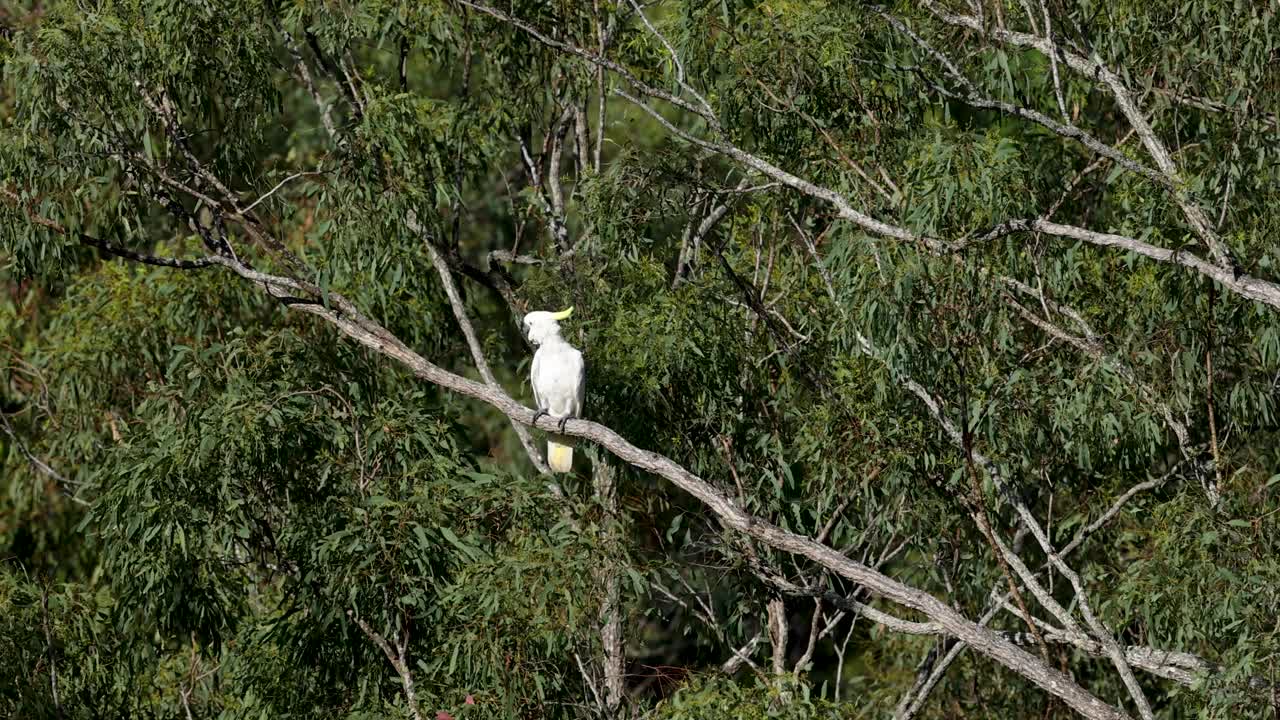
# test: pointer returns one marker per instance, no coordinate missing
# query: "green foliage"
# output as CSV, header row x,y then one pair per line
x,y
206,492
715,698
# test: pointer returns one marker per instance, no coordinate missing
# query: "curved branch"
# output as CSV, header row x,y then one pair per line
x,y
178,263
1224,271
343,314
397,659
1093,67
1246,285
477,352
356,326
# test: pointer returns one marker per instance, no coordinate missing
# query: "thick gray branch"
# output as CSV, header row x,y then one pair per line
x,y
1252,288
354,325
1095,68
473,343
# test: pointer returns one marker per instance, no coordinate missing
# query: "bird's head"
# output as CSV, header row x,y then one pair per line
x,y
540,326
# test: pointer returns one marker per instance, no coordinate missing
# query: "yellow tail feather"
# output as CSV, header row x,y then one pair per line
x,y
559,457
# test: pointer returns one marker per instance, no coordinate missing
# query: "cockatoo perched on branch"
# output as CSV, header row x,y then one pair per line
x,y
559,380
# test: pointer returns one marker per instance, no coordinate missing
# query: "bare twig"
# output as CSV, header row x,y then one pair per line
x,y
1092,346
550,207
398,659
63,483
843,208
304,73
1095,68
1215,106
591,683
282,183
593,58
1065,129
704,613
1053,62
913,700
840,653
48,638
602,38
1028,519
473,343
817,261
814,630
675,60
694,238
351,75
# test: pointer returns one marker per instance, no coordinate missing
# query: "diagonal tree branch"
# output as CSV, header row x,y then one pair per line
x,y
1093,67
346,318
1226,274
675,60
912,701
1247,286
1093,348
1064,129
398,659
473,343
304,73
1030,522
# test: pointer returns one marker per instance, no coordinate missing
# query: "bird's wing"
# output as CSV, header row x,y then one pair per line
x,y
533,380
581,392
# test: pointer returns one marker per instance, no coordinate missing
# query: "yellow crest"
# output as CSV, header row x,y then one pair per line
x,y
563,314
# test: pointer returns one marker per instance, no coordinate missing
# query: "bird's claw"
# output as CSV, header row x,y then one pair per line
x,y
563,420
539,414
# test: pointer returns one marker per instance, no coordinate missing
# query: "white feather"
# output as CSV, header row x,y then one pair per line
x,y
559,380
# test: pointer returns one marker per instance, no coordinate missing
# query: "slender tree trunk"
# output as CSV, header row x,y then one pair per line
x,y
778,634
610,609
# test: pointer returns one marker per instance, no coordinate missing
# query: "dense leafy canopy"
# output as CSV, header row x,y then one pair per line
x,y
886,277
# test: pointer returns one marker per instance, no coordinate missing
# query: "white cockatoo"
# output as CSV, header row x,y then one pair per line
x,y
559,380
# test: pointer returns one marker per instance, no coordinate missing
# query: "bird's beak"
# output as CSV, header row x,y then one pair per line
x,y
563,314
